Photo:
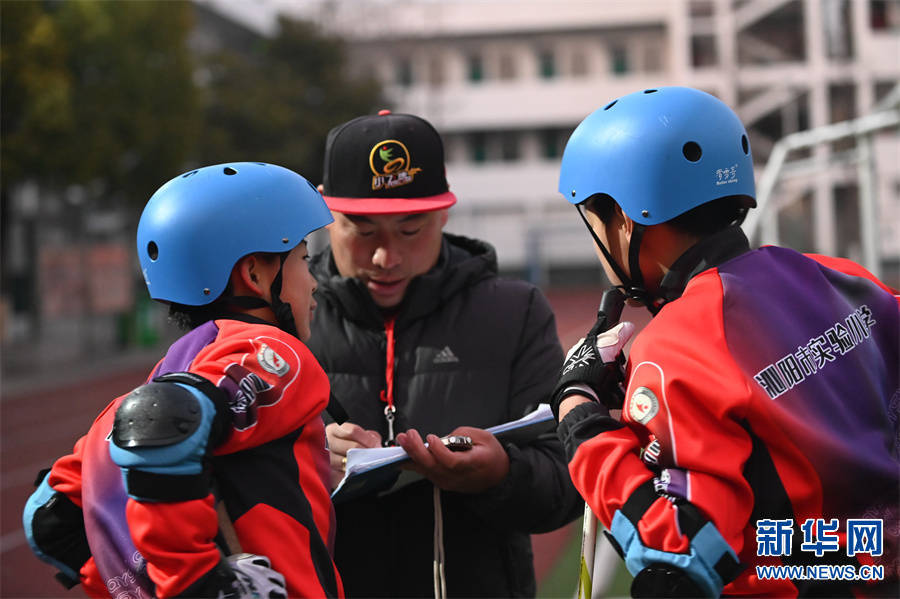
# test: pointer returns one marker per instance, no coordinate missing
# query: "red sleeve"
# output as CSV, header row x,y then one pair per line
x,y
65,476
688,396
851,268
258,367
91,582
176,538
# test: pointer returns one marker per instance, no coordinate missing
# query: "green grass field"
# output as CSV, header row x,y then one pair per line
x,y
562,580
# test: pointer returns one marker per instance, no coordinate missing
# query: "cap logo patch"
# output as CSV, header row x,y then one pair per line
x,y
643,405
269,359
390,164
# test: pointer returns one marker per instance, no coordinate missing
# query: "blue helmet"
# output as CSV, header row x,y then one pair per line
x,y
659,153
197,226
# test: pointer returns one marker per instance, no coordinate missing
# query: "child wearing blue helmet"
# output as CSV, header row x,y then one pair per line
x,y
228,421
759,408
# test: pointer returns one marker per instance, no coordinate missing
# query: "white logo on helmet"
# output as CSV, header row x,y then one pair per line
x,y
643,405
271,362
727,175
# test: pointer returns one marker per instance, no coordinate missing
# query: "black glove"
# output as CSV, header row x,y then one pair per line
x,y
54,527
594,366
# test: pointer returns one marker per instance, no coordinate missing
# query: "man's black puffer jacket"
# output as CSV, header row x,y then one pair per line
x,y
471,349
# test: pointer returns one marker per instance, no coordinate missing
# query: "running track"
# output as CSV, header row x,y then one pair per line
x,y
41,420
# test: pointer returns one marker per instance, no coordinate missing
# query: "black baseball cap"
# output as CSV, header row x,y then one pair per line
x,y
385,164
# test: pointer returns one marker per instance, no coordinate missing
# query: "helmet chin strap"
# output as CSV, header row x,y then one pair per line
x,y
283,313
284,316
632,287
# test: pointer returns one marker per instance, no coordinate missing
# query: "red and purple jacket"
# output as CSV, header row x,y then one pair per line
x,y
767,391
271,472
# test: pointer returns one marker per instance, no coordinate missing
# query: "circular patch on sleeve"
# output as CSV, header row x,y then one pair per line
x,y
643,405
271,362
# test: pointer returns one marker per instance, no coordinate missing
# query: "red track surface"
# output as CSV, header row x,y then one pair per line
x,y
37,427
42,422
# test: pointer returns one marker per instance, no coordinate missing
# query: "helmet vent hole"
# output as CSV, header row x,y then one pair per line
x,y
692,151
610,105
153,250
186,175
650,91
745,145
229,171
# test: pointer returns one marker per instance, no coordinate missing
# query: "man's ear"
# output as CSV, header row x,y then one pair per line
x,y
445,215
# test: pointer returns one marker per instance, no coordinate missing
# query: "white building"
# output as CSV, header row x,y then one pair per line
x,y
506,81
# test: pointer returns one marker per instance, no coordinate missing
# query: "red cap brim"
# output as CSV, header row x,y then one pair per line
x,y
390,205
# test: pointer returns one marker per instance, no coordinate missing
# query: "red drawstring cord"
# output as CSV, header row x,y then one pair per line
x,y
387,395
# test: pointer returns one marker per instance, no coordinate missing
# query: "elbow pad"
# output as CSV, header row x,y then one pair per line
x,y
709,565
54,528
163,434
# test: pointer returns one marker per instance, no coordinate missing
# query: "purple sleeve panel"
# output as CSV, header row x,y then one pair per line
x,y
182,353
822,347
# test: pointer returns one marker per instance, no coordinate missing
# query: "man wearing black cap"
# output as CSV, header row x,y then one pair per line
x,y
421,339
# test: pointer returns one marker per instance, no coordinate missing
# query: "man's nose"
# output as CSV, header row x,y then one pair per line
x,y
386,257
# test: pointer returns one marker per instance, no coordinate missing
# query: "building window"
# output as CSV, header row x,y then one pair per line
x,y
884,15
837,20
404,72
882,89
452,145
478,147
701,8
509,146
653,57
507,67
552,143
476,68
579,64
618,60
547,65
703,51
435,71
